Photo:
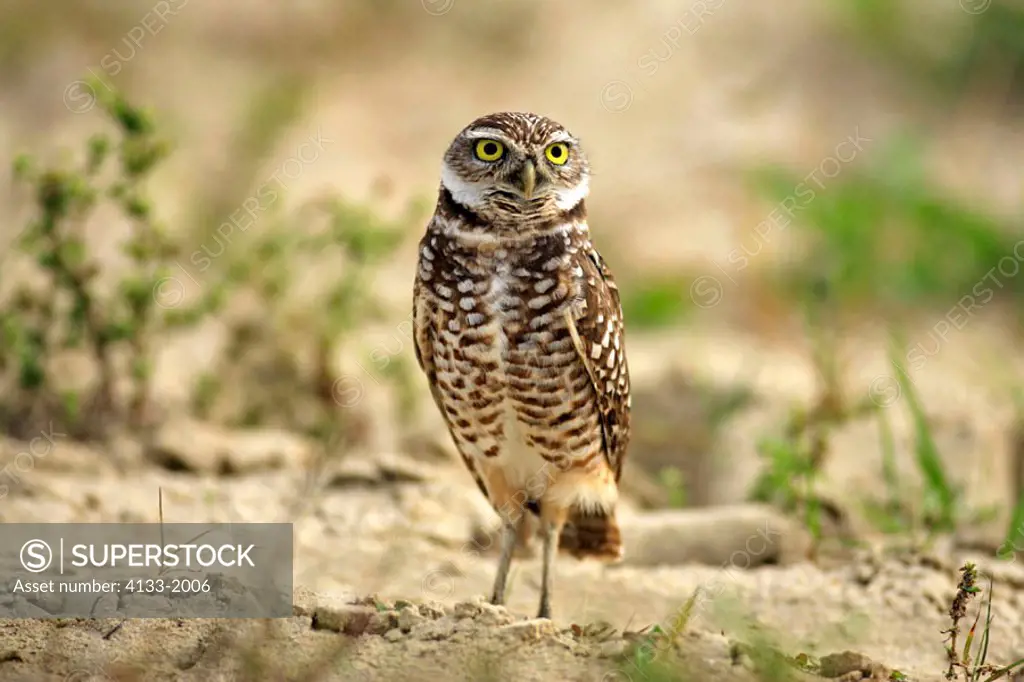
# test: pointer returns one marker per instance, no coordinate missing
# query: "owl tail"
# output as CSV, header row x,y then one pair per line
x,y
592,535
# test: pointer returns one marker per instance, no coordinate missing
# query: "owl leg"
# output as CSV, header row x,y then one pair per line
x,y
509,535
551,528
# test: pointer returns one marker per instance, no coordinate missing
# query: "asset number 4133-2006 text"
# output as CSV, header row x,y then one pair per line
x,y
169,586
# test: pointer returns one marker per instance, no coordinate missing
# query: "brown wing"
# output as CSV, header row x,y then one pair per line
x,y
600,343
423,340
424,327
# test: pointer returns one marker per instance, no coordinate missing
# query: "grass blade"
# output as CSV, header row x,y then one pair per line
x,y
966,655
985,636
1015,535
940,491
988,624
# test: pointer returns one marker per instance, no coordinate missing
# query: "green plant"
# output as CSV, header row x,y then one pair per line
x,y
1015,533
291,345
75,308
674,482
279,360
893,514
792,467
649,652
795,457
941,499
941,53
937,506
882,236
971,663
1014,541
653,303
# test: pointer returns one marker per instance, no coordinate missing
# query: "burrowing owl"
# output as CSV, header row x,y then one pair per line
x,y
519,329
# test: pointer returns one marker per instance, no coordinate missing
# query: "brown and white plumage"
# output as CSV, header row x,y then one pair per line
x,y
518,327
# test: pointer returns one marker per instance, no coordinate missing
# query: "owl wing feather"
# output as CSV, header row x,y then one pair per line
x,y
597,331
424,331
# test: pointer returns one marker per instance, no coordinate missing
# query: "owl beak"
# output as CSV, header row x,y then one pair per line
x,y
528,178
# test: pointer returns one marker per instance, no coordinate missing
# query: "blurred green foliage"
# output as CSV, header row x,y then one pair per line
x,y
650,303
941,50
884,236
290,349
74,310
294,334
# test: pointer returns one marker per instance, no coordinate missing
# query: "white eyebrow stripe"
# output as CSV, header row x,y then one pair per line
x,y
486,133
561,136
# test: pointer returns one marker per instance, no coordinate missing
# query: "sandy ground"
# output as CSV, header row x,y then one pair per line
x,y
399,542
394,533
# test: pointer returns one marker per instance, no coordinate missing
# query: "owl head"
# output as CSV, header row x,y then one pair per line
x,y
515,165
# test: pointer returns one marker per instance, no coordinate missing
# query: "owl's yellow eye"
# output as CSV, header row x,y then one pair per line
x,y
557,153
489,150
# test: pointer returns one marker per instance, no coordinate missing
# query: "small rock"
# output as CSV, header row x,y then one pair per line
x,y
864,573
24,609
378,469
187,445
305,602
741,536
850,665
408,619
49,601
350,619
393,635
467,610
371,600
612,649
530,630
352,472
433,610
494,615
381,622
394,468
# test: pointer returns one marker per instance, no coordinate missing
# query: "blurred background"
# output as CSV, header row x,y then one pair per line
x,y
814,211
